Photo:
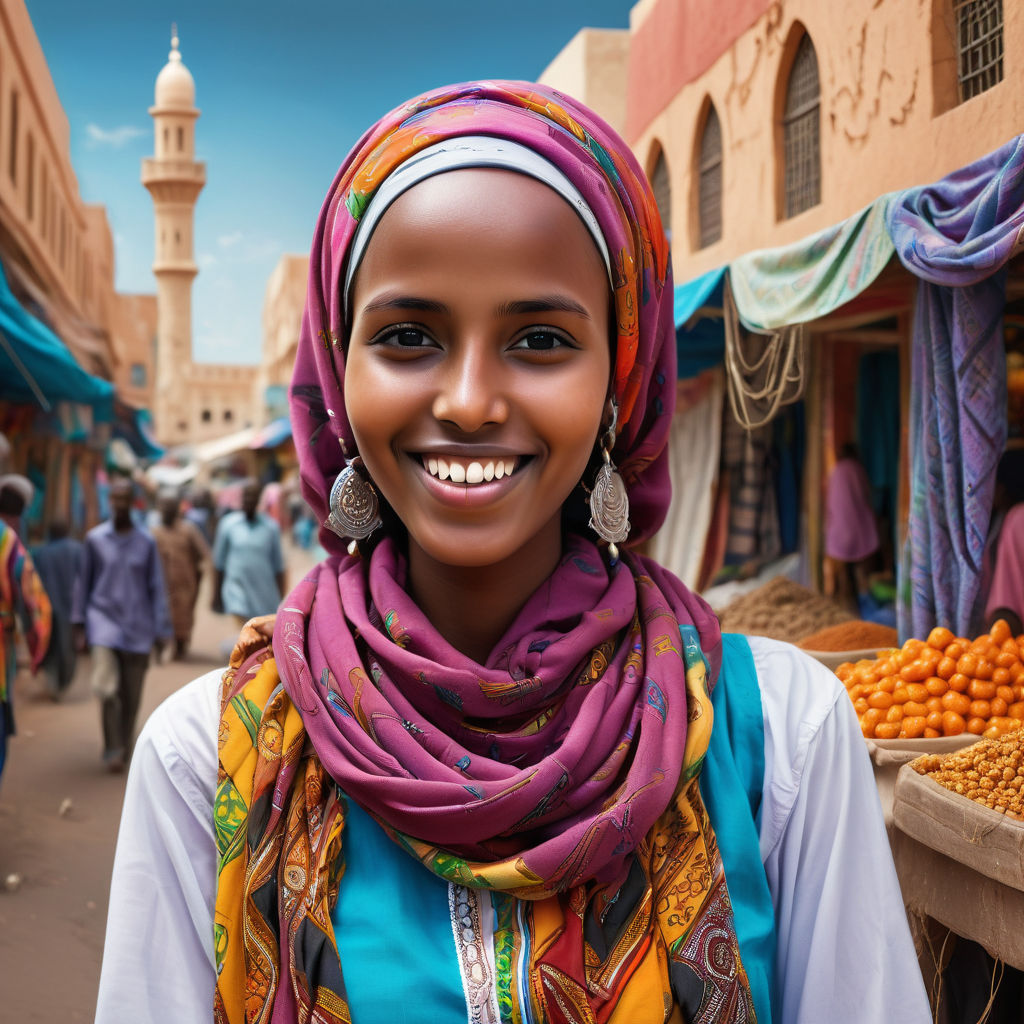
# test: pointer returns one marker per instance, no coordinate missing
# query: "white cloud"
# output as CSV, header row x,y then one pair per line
x,y
226,241
115,137
207,259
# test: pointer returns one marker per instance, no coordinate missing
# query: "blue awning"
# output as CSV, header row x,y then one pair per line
x,y
274,433
135,427
700,340
36,366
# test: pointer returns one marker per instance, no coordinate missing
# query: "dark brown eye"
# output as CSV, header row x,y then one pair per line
x,y
540,341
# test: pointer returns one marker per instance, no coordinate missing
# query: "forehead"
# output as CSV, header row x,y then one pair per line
x,y
476,221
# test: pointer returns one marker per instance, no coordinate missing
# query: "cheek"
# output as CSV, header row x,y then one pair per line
x,y
372,402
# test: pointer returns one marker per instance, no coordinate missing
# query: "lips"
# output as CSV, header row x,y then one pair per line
x,y
470,471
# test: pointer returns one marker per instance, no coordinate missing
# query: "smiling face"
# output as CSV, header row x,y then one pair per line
x,y
478,365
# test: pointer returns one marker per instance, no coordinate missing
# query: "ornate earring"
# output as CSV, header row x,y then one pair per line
x,y
609,502
355,510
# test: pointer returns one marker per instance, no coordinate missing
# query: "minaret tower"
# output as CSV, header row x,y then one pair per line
x,y
174,180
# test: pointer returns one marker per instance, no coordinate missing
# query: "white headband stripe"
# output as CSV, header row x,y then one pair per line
x,y
455,154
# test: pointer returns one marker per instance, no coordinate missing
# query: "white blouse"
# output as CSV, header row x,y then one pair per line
x,y
844,954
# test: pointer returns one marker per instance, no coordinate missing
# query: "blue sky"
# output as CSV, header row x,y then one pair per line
x,y
284,90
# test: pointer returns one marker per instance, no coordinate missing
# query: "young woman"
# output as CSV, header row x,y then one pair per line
x,y
470,772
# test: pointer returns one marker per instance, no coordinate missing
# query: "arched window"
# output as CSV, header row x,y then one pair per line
x,y
44,200
801,132
709,181
12,152
662,193
979,45
181,138
30,176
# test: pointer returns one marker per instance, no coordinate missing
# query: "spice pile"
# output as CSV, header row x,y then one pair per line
x,y
855,635
782,610
990,772
942,686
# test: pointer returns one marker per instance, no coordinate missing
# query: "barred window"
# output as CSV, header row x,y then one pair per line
x,y
801,132
979,45
663,193
709,176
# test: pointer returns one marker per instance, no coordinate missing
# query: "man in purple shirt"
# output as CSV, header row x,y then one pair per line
x,y
120,612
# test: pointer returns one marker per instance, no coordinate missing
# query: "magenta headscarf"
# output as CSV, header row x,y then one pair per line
x,y
605,172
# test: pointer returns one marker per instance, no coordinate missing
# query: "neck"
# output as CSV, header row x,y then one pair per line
x,y
473,606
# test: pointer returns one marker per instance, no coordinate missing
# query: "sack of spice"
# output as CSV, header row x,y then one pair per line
x,y
853,635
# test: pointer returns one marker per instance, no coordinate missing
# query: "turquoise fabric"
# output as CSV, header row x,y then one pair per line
x,y
392,911
700,341
792,284
37,367
732,780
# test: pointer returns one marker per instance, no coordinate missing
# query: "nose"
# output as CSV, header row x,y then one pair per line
x,y
471,394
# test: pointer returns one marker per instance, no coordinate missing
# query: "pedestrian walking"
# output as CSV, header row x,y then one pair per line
x,y
57,564
202,513
247,560
120,613
183,555
22,599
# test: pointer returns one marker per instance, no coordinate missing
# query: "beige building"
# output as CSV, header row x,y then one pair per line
x,y
705,93
283,302
58,248
193,402
58,258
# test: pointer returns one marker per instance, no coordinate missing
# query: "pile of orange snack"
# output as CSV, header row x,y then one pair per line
x,y
943,686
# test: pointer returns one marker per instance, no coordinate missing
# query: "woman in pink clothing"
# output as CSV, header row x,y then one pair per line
x,y
851,536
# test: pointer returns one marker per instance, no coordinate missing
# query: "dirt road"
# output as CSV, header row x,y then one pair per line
x,y
59,812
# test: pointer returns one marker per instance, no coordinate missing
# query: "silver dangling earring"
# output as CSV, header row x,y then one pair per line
x,y
355,510
609,502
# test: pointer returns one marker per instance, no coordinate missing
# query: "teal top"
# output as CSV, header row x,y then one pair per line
x,y
386,897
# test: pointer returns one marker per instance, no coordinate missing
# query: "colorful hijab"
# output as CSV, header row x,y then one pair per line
x,y
563,770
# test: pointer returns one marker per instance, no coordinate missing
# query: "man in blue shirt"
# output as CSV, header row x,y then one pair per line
x,y
120,611
247,560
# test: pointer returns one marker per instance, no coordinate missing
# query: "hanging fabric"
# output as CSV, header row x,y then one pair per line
x,y
956,236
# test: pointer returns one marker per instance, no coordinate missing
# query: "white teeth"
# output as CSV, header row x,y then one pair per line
x,y
474,473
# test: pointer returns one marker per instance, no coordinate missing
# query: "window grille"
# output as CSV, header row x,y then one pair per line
x,y
801,132
979,30
709,196
663,193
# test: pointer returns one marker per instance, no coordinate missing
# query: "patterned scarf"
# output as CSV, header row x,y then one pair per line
x,y
563,771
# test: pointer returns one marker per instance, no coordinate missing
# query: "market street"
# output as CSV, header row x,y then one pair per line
x,y
59,812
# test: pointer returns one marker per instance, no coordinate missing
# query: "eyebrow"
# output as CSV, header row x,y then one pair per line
x,y
519,307
544,304
387,303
